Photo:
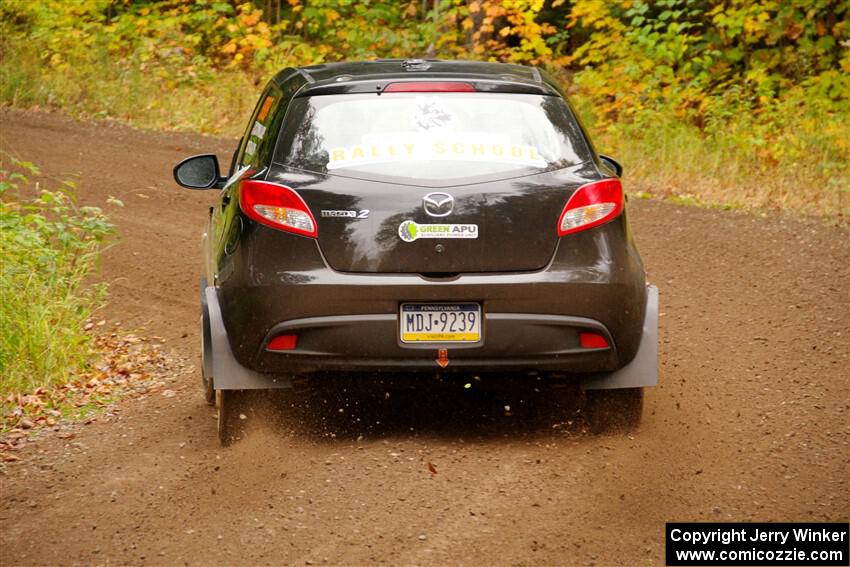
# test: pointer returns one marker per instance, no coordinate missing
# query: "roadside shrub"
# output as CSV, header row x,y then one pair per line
x,y
49,246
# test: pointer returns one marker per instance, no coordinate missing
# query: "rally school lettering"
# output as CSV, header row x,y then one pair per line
x,y
380,153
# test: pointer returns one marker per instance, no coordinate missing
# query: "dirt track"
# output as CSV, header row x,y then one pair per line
x,y
749,421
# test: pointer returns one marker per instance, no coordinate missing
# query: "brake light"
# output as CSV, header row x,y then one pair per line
x,y
591,205
430,87
592,340
277,206
283,342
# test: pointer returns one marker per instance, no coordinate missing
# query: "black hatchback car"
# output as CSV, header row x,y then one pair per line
x,y
420,216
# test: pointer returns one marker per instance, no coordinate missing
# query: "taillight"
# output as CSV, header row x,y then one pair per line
x,y
283,342
591,205
592,340
276,206
430,87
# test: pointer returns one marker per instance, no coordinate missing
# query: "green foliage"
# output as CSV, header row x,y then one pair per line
x,y
741,101
49,246
670,86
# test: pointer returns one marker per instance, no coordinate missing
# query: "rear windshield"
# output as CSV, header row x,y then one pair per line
x,y
430,136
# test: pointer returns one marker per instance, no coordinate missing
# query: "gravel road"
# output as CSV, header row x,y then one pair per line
x,y
749,421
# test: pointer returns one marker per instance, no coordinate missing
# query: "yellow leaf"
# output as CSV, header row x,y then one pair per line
x,y
250,19
332,16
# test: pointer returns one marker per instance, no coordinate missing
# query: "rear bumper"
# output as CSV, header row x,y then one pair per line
x,y
277,283
511,341
528,334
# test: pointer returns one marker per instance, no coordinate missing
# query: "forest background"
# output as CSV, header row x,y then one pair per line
x,y
741,104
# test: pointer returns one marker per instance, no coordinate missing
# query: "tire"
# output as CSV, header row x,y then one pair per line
x,y
209,390
233,412
614,410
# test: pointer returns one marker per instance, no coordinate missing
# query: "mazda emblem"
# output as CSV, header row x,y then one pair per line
x,y
438,204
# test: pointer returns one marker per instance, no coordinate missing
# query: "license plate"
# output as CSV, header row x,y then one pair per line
x,y
440,322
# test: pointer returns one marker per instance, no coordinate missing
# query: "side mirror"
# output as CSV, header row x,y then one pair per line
x,y
613,164
199,172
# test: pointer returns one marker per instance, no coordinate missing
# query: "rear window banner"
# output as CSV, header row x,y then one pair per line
x,y
425,147
444,137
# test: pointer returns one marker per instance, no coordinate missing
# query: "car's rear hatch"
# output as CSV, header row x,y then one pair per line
x,y
505,225
433,183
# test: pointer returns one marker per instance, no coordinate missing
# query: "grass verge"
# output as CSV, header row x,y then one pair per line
x,y
49,246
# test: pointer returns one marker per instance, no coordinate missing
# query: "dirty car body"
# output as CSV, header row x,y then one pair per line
x,y
420,216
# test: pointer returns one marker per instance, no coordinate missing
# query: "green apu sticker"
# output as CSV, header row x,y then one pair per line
x,y
410,231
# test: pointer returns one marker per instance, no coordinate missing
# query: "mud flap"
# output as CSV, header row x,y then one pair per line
x,y
641,372
227,373
206,337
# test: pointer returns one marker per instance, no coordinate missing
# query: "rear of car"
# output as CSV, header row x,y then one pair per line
x,y
423,222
